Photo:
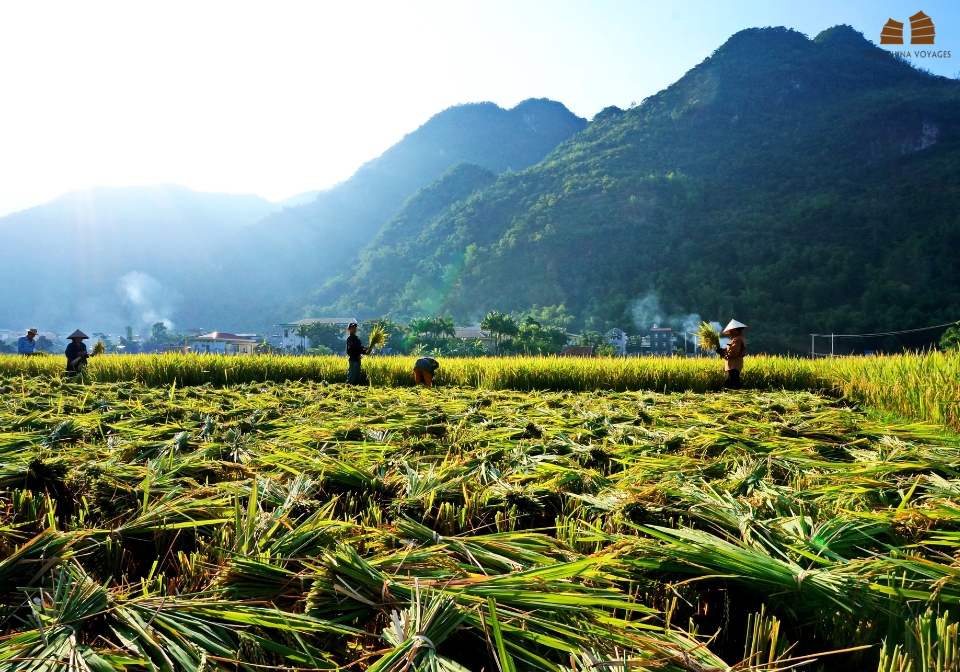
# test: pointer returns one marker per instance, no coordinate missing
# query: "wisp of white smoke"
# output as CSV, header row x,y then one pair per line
x,y
647,312
146,297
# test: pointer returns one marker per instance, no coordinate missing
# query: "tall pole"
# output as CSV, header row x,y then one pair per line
x,y
831,345
812,347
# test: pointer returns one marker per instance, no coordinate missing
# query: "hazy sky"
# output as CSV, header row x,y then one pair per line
x,y
277,98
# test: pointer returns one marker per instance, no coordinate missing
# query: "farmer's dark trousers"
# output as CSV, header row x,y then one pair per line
x,y
353,373
733,379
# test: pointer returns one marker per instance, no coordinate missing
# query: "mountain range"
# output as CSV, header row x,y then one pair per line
x,y
799,185
209,260
266,272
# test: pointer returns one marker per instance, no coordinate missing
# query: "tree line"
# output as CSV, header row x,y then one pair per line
x,y
539,331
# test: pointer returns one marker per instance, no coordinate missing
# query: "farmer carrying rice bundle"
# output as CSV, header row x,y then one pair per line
x,y
734,353
355,350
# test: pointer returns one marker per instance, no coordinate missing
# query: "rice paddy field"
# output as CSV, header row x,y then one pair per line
x,y
922,387
207,513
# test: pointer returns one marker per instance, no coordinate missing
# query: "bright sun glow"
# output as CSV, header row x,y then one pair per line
x,y
281,98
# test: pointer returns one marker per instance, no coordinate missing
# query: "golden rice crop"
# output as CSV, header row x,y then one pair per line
x,y
920,386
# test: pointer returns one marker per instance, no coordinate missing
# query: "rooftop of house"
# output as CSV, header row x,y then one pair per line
x,y
470,332
320,320
222,336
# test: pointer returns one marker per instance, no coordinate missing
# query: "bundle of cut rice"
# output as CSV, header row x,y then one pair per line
x,y
99,348
378,337
709,338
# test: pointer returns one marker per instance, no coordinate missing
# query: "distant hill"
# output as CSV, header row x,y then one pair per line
x,y
106,257
298,199
266,273
798,185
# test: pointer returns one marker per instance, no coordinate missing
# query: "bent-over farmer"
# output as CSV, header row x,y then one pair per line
x,y
27,345
355,350
423,370
734,353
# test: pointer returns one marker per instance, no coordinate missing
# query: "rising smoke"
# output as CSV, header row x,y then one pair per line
x,y
146,299
647,312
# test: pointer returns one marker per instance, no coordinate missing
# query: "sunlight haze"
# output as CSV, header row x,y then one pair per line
x,y
276,99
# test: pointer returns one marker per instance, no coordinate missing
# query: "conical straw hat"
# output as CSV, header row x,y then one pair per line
x,y
78,334
734,325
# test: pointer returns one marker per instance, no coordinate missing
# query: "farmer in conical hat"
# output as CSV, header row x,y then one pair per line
x,y
76,353
733,353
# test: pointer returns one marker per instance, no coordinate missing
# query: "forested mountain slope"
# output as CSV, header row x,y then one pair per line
x,y
390,260
265,274
798,185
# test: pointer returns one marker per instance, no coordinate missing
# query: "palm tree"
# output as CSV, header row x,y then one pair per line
x,y
420,325
442,326
500,325
302,333
436,327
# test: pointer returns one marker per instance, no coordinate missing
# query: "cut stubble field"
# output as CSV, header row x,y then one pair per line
x,y
161,521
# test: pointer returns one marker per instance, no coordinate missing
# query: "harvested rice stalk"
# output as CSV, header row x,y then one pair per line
x,y
317,512
709,338
378,337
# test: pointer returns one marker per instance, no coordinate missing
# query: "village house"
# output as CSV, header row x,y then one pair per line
x,y
618,339
221,343
475,334
661,341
